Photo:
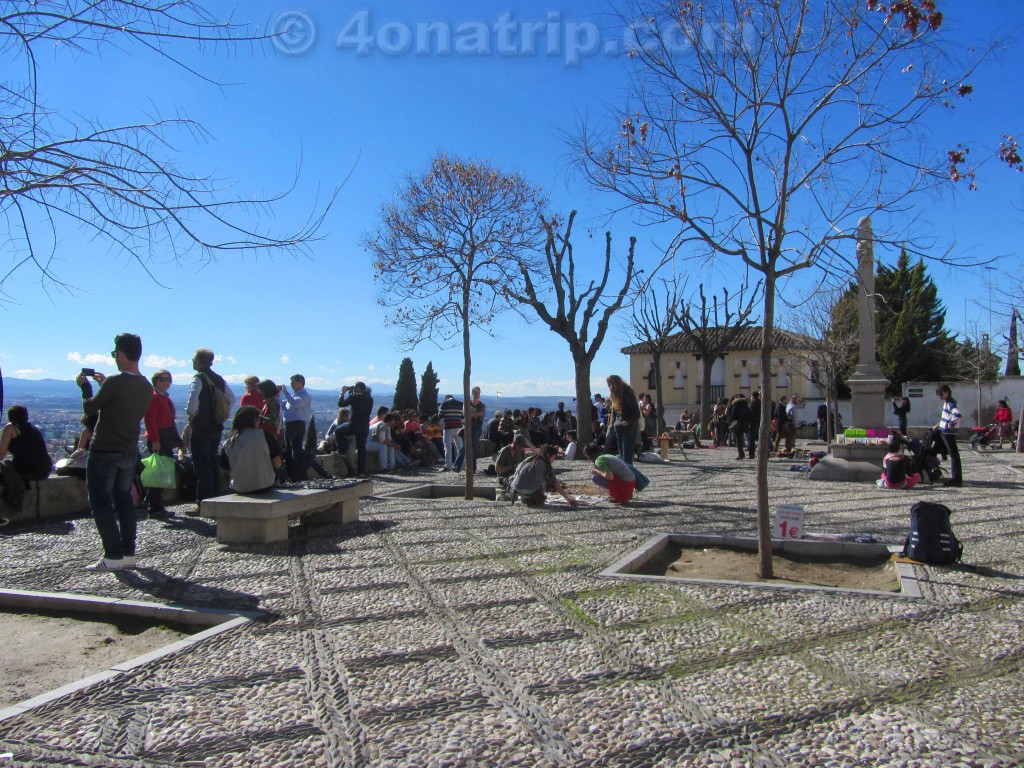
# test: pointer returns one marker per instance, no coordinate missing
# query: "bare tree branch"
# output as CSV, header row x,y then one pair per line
x,y
121,184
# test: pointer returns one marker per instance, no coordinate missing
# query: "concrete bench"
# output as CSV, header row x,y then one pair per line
x,y
54,497
261,518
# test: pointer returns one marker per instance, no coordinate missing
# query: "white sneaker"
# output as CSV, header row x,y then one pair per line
x,y
103,564
129,561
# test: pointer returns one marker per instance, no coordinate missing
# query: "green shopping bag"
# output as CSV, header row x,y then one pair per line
x,y
158,471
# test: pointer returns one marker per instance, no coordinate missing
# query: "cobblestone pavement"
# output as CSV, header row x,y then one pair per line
x,y
454,633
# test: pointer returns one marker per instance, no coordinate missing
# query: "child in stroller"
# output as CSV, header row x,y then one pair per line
x,y
924,461
982,436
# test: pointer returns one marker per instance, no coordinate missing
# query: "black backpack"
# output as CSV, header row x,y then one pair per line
x,y
931,538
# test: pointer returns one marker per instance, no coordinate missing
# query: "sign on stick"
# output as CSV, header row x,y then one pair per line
x,y
789,522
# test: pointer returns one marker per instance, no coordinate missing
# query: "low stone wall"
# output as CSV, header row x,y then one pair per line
x,y
54,497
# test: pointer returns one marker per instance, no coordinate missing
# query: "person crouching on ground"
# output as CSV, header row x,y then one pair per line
x,y
508,459
535,475
251,454
612,473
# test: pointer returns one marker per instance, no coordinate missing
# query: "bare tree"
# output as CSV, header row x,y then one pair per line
x,y
122,184
824,328
971,359
653,325
449,252
764,129
712,331
575,308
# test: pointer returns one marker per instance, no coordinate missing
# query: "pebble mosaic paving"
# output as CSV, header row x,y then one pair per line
x,y
452,633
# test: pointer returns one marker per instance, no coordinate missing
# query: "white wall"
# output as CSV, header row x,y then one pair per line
x,y
925,406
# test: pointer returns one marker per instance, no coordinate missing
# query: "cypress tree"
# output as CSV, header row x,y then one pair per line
x,y
912,340
1013,349
405,389
428,391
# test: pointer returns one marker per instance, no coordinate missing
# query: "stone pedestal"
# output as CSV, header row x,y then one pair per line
x,y
867,397
851,463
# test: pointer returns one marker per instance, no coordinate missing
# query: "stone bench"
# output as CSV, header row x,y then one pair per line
x,y
54,497
261,518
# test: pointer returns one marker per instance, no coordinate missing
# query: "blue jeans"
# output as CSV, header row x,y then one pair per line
x,y
476,433
109,477
626,439
204,461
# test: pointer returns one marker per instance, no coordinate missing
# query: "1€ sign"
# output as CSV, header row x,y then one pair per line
x,y
789,522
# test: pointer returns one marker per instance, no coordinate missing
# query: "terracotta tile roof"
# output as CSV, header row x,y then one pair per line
x,y
748,339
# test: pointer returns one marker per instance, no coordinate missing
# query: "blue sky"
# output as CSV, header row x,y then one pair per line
x,y
382,113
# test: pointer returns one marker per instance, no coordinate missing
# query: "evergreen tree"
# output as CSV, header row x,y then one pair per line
x,y
405,389
912,341
910,332
1012,349
428,391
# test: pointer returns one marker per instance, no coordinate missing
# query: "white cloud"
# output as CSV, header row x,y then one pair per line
x,y
234,378
371,367
164,361
230,359
285,359
92,357
28,373
526,387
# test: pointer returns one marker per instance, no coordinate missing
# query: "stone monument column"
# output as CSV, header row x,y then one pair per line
x,y
850,461
867,384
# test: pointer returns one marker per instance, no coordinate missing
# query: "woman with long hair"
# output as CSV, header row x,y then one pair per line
x,y
625,417
251,454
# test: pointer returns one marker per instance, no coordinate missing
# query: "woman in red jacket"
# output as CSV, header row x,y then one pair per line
x,y
161,435
1004,421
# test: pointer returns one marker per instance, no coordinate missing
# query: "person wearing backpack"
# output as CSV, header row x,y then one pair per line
x,y
535,475
208,407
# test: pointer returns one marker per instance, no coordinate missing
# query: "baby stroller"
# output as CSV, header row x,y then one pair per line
x,y
925,461
982,436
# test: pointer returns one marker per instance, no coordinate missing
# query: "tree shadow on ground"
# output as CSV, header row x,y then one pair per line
x,y
160,585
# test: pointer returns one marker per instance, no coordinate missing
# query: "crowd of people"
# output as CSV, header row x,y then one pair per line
x,y
268,442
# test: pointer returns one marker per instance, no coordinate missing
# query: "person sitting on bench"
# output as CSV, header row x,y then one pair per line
x,y
251,454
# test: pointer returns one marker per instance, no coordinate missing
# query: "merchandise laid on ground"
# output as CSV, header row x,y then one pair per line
x,y
436,631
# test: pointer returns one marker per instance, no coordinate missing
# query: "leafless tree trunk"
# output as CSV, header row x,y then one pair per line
x,y
713,330
653,326
765,129
449,253
575,308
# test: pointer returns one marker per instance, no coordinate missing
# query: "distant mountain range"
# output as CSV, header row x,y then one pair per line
x,y
34,390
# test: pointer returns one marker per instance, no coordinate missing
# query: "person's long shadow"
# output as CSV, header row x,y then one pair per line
x,y
197,525
173,589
